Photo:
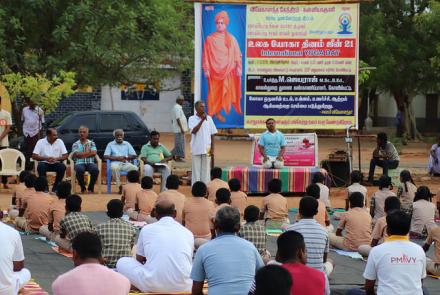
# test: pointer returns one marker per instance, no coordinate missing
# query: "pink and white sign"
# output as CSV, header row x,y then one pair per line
x,y
301,150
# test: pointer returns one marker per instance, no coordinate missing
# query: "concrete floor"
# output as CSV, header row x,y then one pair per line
x,y
46,265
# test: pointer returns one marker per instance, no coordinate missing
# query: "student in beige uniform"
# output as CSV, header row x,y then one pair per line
x,y
380,228
433,266
129,191
36,210
222,198
172,194
145,202
215,183
422,220
406,191
313,190
198,214
356,180
274,206
238,198
57,211
357,225
29,182
17,195
324,191
378,198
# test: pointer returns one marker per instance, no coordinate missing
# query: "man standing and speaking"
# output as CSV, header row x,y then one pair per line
x,y
202,143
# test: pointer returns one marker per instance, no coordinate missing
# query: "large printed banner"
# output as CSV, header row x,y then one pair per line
x,y
301,150
295,63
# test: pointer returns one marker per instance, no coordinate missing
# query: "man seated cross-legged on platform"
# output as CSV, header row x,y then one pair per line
x,y
84,152
163,255
117,235
89,277
120,152
272,146
357,225
51,152
13,275
156,156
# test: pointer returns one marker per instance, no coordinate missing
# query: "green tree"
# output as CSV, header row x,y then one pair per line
x,y
392,43
103,42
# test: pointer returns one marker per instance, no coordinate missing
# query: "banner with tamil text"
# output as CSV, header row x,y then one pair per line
x,y
297,64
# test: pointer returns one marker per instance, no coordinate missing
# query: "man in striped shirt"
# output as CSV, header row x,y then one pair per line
x,y
315,236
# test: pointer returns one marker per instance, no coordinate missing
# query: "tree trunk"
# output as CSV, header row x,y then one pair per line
x,y
16,113
403,102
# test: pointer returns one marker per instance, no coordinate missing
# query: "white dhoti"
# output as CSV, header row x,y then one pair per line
x,y
201,168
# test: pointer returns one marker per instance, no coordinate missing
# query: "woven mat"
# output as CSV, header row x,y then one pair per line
x,y
32,288
205,291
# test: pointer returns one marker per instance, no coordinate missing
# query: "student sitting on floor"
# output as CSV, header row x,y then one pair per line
x,y
222,198
145,201
398,265
73,223
423,214
356,180
117,235
406,191
315,236
198,214
89,277
172,194
215,183
255,232
36,208
380,228
433,266
17,193
378,198
13,275
57,211
21,199
238,198
272,279
322,216
274,206
129,191
324,191
357,225
292,254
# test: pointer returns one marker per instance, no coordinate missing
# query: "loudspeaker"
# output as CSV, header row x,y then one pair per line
x,y
338,171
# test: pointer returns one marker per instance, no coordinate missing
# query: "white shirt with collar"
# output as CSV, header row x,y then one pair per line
x,y
201,141
168,248
44,149
177,113
32,120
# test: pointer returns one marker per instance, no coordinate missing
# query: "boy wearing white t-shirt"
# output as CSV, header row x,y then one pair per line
x,y
398,265
13,275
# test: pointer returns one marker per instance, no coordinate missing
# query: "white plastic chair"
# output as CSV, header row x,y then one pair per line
x,y
73,173
9,159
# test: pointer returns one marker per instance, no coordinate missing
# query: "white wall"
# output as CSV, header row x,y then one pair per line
x,y
155,113
387,106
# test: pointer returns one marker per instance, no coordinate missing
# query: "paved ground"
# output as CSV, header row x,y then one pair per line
x,y
46,265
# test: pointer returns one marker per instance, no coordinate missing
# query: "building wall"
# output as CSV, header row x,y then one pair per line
x,y
80,101
155,113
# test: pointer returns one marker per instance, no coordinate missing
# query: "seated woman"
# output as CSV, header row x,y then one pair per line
x,y
434,156
422,220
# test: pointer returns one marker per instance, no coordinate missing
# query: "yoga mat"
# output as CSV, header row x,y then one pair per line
x,y
62,252
32,288
353,255
205,291
274,232
139,224
45,240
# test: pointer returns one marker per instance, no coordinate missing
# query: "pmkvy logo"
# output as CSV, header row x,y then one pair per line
x,y
404,259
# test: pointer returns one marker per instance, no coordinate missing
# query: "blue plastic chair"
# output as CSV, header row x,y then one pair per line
x,y
109,174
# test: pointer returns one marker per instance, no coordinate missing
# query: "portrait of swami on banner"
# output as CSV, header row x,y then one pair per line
x,y
222,67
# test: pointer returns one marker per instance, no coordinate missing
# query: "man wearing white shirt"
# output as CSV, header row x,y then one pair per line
x,y
5,127
164,255
202,143
398,265
51,152
13,275
180,126
32,117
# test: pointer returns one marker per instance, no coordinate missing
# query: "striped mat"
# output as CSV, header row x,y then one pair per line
x,y
205,291
255,179
32,288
